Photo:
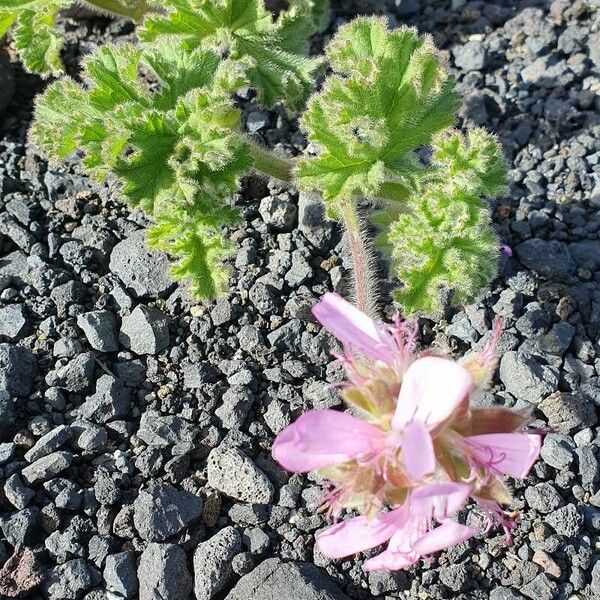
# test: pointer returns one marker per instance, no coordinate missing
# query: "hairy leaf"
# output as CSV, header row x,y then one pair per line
x,y
444,241
161,122
389,96
193,237
271,51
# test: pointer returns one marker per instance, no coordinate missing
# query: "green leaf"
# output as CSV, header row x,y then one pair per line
x,y
388,97
36,41
443,240
193,237
6,21
271,53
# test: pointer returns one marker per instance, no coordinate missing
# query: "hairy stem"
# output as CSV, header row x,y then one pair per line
x,y
364,278
272,165
130,9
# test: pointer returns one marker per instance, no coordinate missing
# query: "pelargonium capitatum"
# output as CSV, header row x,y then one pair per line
x,y
413,445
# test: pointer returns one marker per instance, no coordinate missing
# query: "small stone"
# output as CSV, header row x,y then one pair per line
x,y
161,511
544,560
212,562
312,221
566,521
17,368
543,498
120,575
20,573
47,467
13,320
163,573
471,56
568,412
278,212
231,472
257,120
557,451
222,312
8,415
101,330
110,401
143,273
76,375
550,259
236,404
292,581
17,493
20,528
540,588
106,491
454,577
256,540
586,254
162,431
383,582
49,443
69,581
526,377
197,375
145,330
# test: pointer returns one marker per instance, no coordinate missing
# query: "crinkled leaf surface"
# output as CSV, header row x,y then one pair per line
x,y
444,240
271,51
155,121
389,95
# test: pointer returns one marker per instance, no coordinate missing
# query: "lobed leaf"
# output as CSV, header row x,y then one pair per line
x,y
388,97
272,52
162,123
444,240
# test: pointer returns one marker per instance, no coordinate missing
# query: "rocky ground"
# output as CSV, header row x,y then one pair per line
x,y
135,428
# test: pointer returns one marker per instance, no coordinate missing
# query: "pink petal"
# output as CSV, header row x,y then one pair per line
x,y
354,328
390,561
432,390
511,454
446,535
417,450
359,534
320,438
438,501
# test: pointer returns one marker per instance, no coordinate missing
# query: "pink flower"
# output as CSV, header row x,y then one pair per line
x,y
408,529
413,427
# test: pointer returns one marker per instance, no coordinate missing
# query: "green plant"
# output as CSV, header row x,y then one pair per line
x,y
35,37
159,118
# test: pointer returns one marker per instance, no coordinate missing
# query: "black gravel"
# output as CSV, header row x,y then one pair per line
x,y
135,426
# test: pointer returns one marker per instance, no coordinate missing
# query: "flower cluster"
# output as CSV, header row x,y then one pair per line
x,y
413,451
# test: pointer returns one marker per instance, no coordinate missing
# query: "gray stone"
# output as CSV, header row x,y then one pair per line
x,y
589,467
46,467
471,56
223,311
383,582
557,451
526,377
212,562
257,120
312,221
543,497
8,415
145,330
586,254
504,593
76,375
143,273
64,546
20,528
162,431
548,258
236,404
278,212
17,368
540,588
7,451
69,581
557,340
568,412
101,330
50,442
256,540
161,511
13,320
300,271
231,472
454,577
120,576
163,573
595,585
106,491
197,375
273,579
566,520
110,401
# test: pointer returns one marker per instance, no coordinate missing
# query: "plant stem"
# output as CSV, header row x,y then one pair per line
x,y
364,295
130,9
270,164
